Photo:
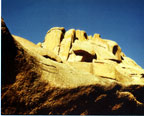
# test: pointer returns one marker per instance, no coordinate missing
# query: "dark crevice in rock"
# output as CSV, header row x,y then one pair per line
x,y
99,62
133,74
46,56
48,65
117,61
85,35
62,36
142,75
101,46
50,71
87,57
74,37
122,58
124,67
115,48
108,78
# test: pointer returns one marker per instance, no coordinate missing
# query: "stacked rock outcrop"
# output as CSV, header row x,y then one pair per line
x,y
69,73
100,57
77,43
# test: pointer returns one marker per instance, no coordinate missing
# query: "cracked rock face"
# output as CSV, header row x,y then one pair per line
x,y
69,73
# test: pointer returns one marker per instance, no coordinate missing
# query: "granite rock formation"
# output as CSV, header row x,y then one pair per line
x,y
69,73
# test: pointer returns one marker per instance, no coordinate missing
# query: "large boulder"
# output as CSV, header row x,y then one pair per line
x,y
53,38
83,48
66,44
114,48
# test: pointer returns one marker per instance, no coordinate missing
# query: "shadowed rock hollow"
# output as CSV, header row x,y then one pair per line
x,y
69,73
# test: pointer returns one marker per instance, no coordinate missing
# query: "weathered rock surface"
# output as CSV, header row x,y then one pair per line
x,y
53,39
68,75
81,35
66,44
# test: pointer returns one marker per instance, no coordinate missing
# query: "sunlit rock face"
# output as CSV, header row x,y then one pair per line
x,y
69,73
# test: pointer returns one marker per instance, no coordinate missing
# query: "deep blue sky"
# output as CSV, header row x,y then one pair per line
x,y
118,20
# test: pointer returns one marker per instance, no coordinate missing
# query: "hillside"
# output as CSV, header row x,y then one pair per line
x,y
69,73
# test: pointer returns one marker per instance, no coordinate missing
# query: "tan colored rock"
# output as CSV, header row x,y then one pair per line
x,y
37,49
101,50
83,46
97,36
81,35
114,48
53,38
122,55
99,68
84,49
39,44
57,28
111,70
89,37
66,44
129,62
75,58
94,49
99,41
104,70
